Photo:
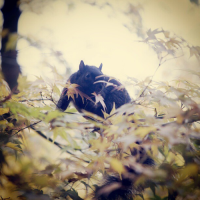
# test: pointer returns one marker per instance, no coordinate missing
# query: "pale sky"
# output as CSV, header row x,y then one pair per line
x,y
96,34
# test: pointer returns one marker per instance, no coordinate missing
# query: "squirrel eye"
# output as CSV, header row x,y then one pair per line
x,y
87,76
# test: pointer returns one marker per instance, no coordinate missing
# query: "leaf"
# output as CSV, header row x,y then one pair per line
x,y
106,82
72,91
99,99
154,150
13,146
86,185
173,42
23,83
180,119
166,33
4,110
5,90
143,131
117,166
195,51
151,34
12,41
118,88
66,136
175,158
56,90
188,171
100,144
113,109
53,115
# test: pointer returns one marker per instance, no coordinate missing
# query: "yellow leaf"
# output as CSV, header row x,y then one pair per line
x,y
97,164
143,131
12,41
100,144
56,90
179,160
52,115
113,109
154,150
4,110
175,159
3,122
180,119
4,88
105,115
190,170
117,166
13,146
59,131
72,90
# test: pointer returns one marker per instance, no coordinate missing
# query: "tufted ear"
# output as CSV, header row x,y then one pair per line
x,y
100,67
81,66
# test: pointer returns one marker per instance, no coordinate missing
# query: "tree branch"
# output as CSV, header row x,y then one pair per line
x,y
35,100
27,127
57,144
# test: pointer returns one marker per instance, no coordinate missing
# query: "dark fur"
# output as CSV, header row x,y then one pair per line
x,y
86,77
126,189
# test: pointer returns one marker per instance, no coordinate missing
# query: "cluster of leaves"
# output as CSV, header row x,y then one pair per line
x,y
163,121
166,43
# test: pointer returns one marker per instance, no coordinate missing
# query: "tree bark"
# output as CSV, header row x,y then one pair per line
x,y
9,65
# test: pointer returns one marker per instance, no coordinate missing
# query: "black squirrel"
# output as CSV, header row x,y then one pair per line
x,y
91,81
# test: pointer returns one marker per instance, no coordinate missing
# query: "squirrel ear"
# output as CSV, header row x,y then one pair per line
x,y
81,66
100,67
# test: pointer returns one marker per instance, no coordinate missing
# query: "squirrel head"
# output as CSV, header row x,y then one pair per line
x,y
87,76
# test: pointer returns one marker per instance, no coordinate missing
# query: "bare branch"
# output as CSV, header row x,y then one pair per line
x,y
57,144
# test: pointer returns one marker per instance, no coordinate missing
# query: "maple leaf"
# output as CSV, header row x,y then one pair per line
x,y
173,43
151,34
72,90
195,51
99,99
166,33
117,166
106,82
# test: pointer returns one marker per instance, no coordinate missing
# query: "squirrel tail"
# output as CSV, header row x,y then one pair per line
x,y
115,187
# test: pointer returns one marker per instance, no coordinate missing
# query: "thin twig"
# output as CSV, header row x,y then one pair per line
x,y
52,98
35,100
57,144
27,127
49,139
42,99
151,78
171,59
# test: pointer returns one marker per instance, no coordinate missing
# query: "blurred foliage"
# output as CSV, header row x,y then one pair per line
x,y
163,121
